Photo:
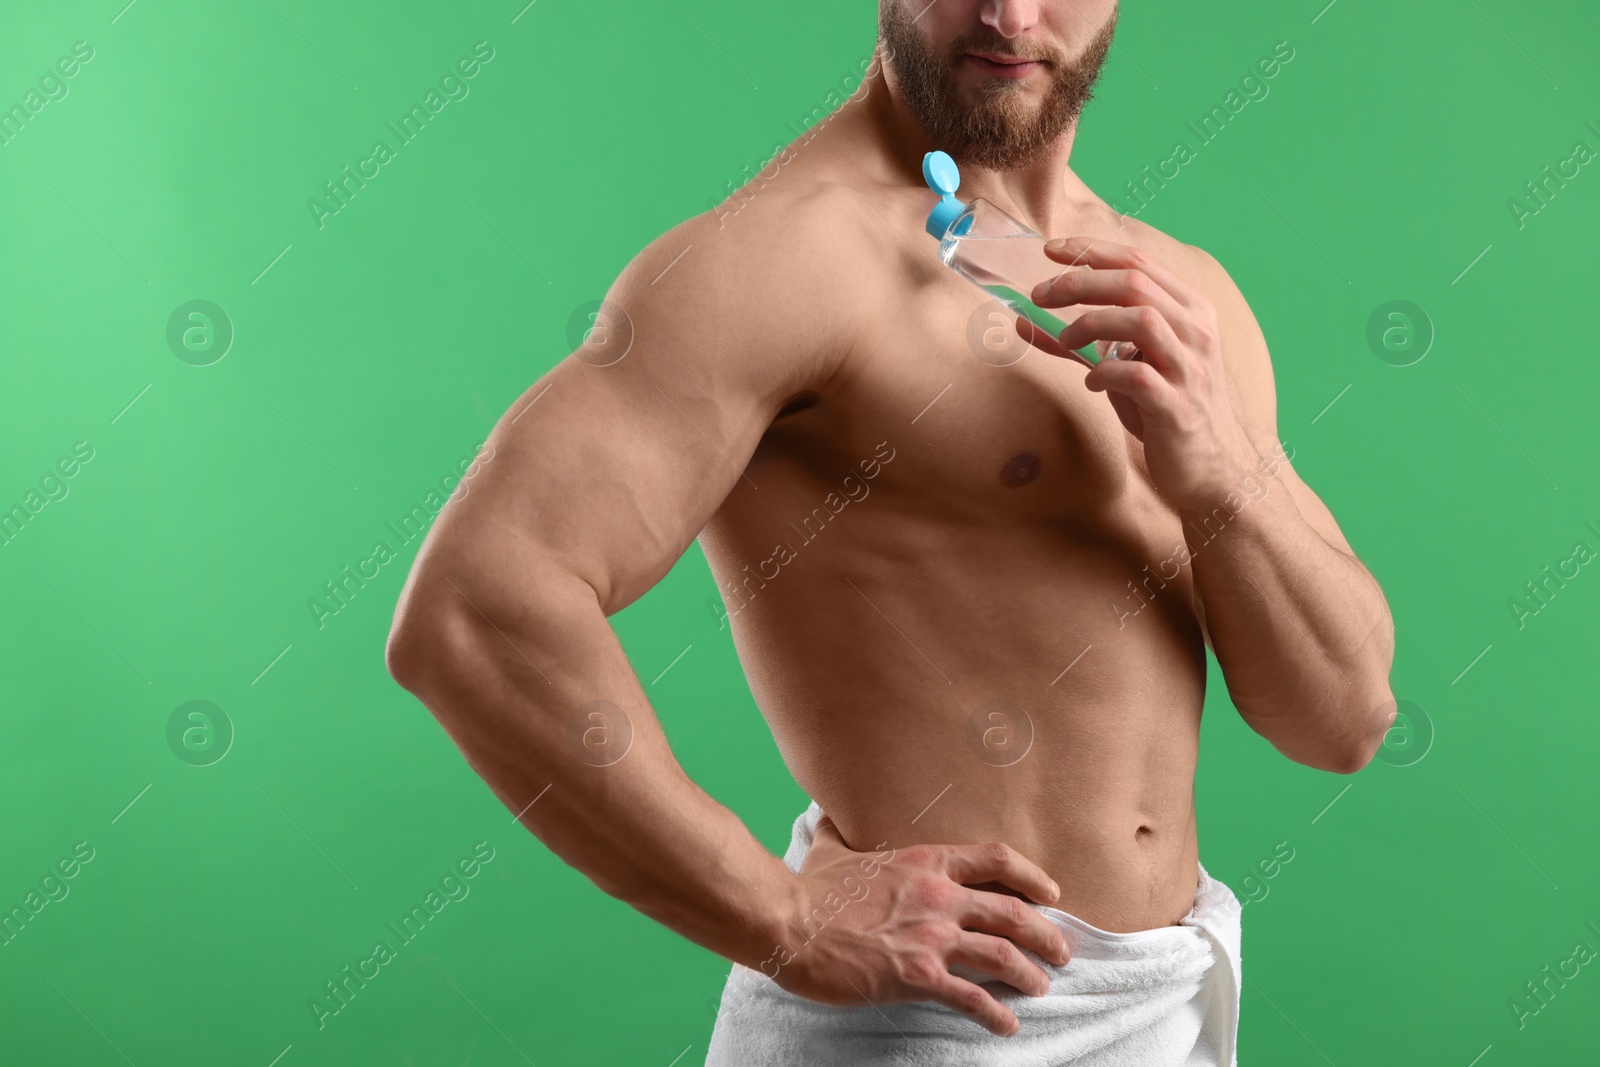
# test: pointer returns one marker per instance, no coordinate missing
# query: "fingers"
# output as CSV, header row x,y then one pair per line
x,y
997,862
1117,288
1146,327
1004,960
1139,382
974,1002
1042,340
1009,917
1093,252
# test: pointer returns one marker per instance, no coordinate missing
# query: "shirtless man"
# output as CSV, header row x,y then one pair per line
x,y
987,670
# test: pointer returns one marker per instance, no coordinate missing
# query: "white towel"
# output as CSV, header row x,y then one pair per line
x,y
1167,997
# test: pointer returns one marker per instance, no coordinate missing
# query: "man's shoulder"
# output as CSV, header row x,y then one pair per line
x,y
1191,262
1203,272
810,237
786,276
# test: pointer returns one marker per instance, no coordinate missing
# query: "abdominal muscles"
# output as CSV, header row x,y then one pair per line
x,y
1028,682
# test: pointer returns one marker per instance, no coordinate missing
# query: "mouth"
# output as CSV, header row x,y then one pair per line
x,y
1000,65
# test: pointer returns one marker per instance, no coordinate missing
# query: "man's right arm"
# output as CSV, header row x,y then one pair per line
x,y
602,475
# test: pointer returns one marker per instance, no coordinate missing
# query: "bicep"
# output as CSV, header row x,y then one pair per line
x,y
609,472
607,468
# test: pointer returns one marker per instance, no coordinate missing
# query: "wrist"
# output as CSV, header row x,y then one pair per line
x,y
772,943
1236,475
1251,490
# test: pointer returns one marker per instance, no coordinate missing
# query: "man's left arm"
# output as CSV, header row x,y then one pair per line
x,y
1299,626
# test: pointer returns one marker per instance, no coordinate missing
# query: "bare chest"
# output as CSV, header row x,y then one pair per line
x,y
983,428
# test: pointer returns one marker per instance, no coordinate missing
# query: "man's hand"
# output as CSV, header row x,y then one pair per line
x,y
895,939
1173,393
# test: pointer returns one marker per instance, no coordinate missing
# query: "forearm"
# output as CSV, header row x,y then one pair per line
x,y
515,694
1299,627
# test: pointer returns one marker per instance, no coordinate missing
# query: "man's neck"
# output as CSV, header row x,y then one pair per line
x,y
1044,194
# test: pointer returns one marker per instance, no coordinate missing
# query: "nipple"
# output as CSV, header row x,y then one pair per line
x,y
1019,470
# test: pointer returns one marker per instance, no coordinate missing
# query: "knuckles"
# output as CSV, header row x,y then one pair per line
x,y
1204,325
972,1001
933,891
994,853
1140,287
1142,376
921,972
997,954
1013,912
1148,318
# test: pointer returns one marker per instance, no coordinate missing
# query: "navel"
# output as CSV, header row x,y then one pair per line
x,y
1020,469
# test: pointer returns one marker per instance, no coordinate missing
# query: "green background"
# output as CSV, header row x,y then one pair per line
x,y
372,353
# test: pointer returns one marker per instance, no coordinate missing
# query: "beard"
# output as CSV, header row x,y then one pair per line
x,y
999,130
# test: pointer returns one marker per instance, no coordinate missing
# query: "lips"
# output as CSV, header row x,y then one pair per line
x,y
1002,64
1002,58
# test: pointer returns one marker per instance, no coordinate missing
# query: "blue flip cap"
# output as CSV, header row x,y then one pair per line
x,y
944,178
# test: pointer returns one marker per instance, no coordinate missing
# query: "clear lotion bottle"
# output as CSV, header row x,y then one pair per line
x,y
996,252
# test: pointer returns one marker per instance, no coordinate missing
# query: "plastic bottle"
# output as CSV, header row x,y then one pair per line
x,y
998,253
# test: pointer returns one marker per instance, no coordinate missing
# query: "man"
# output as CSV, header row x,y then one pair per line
x,y
971,592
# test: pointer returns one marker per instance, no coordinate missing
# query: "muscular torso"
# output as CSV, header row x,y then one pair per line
x,y
941,578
